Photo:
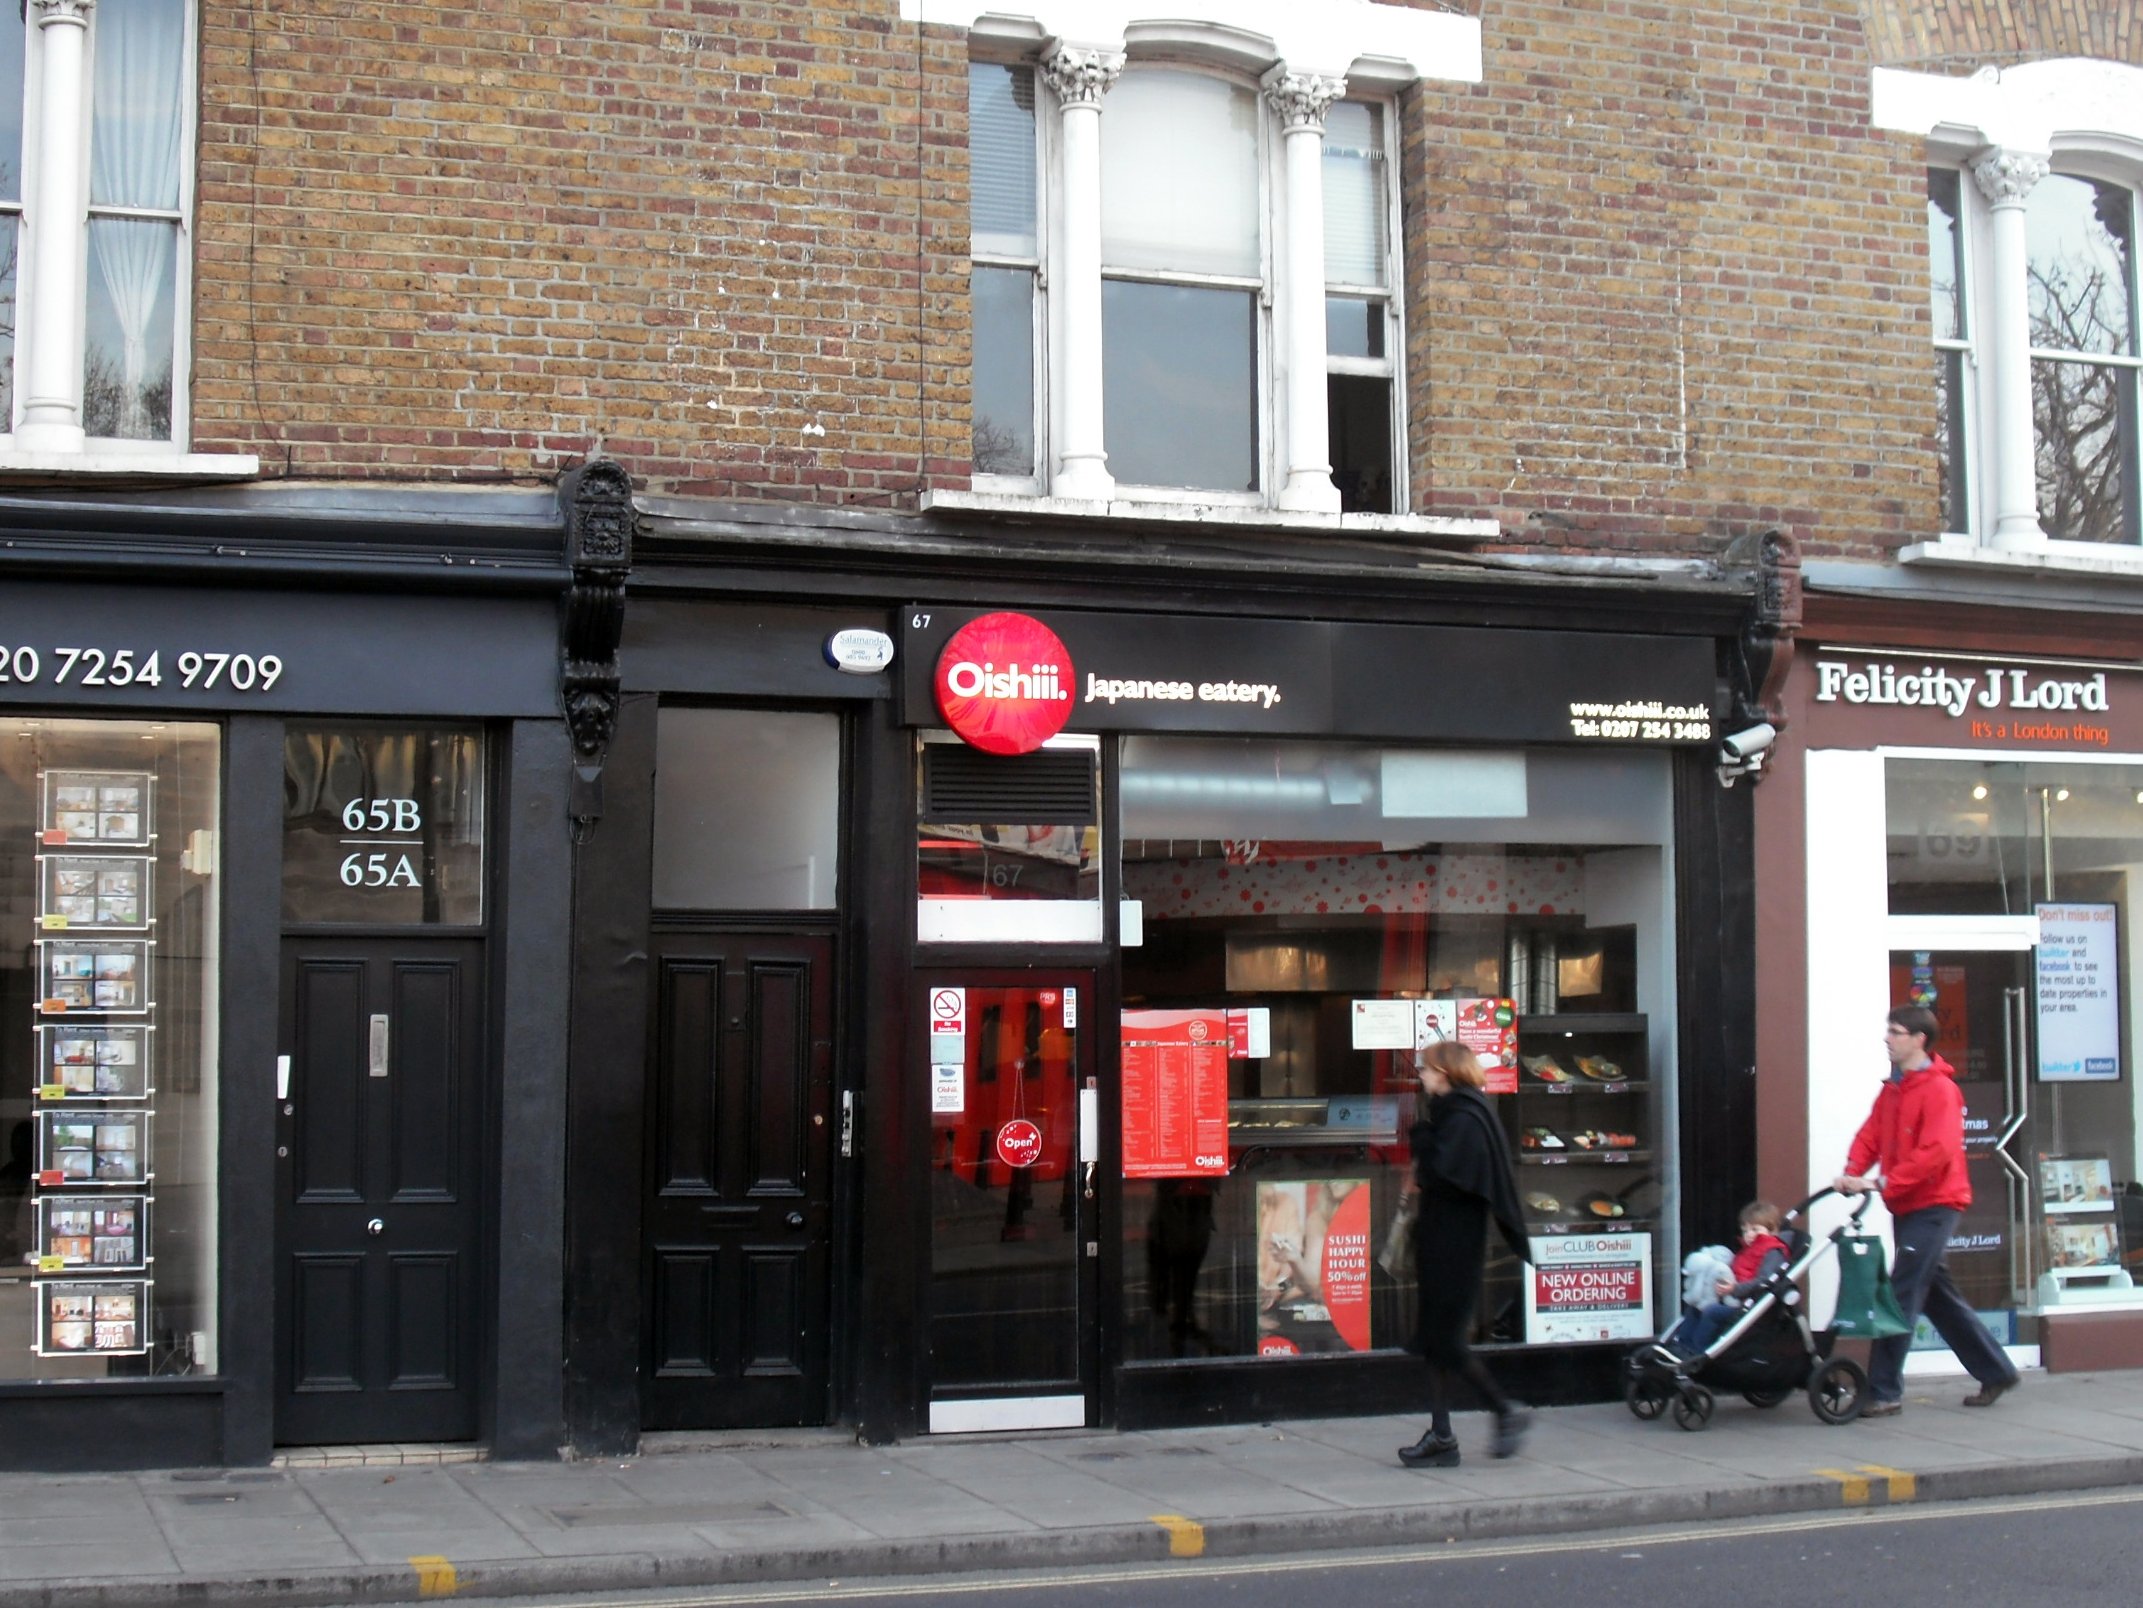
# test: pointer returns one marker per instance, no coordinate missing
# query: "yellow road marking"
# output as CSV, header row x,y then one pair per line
x,y
1852,1488
435,1576
1186,1537
1855,1487
1904,1487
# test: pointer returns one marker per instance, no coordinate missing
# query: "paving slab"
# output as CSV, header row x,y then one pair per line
x,y
706,1510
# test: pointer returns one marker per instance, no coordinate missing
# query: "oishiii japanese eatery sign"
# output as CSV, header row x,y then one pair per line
x,y
1855,697
1004,683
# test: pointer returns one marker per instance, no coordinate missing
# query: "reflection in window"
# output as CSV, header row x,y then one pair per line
x,y
1178,398
2048,1034
1305,897
2084,368
1945,259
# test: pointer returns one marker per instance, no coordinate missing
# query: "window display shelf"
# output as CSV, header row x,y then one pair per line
x,y
1581,1022
1583,1158
1587,1086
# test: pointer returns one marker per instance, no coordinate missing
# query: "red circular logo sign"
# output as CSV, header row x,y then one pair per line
x,y
1019,1143
1004,683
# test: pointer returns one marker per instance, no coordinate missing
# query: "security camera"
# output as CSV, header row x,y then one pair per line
x,y
1749,743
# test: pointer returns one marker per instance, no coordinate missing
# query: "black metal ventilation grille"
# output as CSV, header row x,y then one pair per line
x,y
1050,787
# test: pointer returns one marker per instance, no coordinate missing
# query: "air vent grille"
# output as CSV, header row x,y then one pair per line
x,y
1051,787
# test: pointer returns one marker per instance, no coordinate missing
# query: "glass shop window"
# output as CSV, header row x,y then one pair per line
x,y
1315,915
747,810
2042,1034
1008,848
108,857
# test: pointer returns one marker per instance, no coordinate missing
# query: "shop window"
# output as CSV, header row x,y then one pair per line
x,y
2018,883
1314,915
383,826
747,810
108,1204
1008,848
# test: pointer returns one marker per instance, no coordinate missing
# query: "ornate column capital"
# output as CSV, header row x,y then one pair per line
x,y
1079,75
2006,177
68,11
1301,99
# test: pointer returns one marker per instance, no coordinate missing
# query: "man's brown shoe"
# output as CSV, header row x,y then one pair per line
x,y
1988,1395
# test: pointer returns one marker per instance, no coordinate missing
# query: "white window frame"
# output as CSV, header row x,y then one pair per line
x,y
1264,292
1374,50
1045,207
2077,117
56,168
1392,365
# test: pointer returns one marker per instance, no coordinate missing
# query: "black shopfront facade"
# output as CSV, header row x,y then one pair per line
x,y
931,1089
284,785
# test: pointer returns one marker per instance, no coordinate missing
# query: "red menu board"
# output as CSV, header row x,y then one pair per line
x,y
1175,1090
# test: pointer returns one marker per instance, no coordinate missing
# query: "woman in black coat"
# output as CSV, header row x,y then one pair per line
x,y
1462,1171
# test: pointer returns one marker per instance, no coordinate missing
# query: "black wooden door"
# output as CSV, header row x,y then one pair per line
x,y
738,1214
380,1179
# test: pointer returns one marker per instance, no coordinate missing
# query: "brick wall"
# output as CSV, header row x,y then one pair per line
x,y
1674,284
1958,35
477,240
1666,285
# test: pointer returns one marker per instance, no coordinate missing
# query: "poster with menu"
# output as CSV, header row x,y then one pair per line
x,y
1175,1093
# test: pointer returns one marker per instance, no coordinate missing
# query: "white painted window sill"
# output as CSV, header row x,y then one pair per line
x,y
101,464
2055,558
1234,516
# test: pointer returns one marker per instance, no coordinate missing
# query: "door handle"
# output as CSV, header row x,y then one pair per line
x,y
796,1219
376,1227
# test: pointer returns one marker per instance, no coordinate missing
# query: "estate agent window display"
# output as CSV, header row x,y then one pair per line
x,y
107,1203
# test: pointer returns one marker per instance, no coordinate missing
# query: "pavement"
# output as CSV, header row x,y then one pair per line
x,y
696,1511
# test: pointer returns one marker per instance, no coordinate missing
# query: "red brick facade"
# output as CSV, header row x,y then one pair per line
x,y
1666,284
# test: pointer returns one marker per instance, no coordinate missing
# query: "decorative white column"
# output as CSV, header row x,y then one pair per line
x,y
2005,178
52,383
1302,99
1079,77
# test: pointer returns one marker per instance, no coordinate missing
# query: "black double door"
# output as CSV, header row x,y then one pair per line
x,y
738,1204
381,1184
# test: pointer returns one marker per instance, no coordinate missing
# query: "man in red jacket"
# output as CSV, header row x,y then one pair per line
x,y
1915,1136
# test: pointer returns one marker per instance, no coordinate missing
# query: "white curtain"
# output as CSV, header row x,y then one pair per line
x,y
135,148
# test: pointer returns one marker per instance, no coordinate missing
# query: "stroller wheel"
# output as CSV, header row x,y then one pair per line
x,y
1838,1391
1647,1398
1767,1398
1692,1408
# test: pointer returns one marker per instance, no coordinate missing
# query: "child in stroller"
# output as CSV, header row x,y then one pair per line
x,y
1766,1349
1762,1254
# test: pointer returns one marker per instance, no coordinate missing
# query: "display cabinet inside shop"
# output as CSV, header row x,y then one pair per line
x,y
107,1209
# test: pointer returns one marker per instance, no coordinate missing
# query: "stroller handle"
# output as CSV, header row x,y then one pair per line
x,y
1861,1202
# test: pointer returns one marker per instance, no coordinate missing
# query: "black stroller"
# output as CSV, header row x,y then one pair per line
x,y
1767,1353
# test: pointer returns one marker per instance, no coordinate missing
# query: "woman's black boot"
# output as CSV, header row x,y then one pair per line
x,y
1431,1451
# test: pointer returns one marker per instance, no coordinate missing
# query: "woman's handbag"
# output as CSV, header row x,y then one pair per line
x,y
1867,1305
1397,1255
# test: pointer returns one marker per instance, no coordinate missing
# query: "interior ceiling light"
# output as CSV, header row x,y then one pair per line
x,y
2061,795
1979,790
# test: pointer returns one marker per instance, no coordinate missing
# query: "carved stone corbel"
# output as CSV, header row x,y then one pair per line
x,y
596,500
1763,653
